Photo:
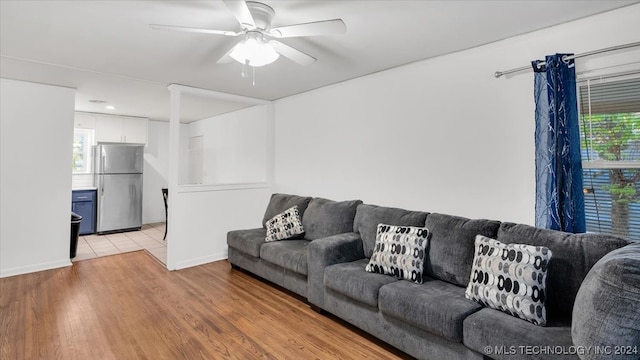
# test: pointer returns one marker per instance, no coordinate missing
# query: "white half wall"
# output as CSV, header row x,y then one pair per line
x,y
200,221
441,135
36,132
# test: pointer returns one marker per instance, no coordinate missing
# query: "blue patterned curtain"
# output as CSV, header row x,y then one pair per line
x,y
559,194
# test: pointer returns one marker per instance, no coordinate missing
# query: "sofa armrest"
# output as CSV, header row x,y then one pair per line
x,y
606,311
327,251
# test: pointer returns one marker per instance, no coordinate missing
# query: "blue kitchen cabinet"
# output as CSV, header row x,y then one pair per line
x,y
83,203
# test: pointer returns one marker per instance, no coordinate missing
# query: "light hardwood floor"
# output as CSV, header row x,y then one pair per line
x,y
128,306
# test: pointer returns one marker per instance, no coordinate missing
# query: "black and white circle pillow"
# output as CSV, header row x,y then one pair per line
x,y
511,278
285,225
399,251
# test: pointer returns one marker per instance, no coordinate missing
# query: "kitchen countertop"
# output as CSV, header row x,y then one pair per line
x,y
84,188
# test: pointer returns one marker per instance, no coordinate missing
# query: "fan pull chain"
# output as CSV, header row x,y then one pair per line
x,y
253,72
244,68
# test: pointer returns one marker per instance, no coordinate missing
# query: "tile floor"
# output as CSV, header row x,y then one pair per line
x,y
148,238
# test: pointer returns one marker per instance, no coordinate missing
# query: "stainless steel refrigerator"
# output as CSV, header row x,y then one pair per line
x,y
117,169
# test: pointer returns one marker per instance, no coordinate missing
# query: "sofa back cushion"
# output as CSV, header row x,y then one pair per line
x,y
573,256
282,202
369,216
325,217
451,248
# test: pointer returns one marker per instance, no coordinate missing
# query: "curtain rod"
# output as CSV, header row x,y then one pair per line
x,y
498,74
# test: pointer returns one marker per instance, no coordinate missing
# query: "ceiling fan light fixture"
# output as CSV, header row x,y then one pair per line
x,y
254,51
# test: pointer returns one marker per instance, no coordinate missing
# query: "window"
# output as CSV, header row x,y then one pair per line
x,y
610,143
82,142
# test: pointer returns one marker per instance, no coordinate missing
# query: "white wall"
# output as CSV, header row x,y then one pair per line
x,y
156,169
36,132
234,146
441,135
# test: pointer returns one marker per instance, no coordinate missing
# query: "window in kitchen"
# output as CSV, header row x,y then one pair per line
x,y
610,143
82,142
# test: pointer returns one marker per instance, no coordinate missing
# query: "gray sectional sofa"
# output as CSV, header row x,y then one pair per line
x,y
592,318
285,262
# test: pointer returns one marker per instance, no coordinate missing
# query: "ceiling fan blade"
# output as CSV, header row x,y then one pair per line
x,y
325,27
193,30
291,53
241,11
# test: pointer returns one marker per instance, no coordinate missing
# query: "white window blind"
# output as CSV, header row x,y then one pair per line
x,y
610,142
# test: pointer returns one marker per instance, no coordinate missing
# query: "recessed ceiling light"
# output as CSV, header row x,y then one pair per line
x,y
110,107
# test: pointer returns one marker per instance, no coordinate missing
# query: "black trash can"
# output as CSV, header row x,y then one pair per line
x,y
75,232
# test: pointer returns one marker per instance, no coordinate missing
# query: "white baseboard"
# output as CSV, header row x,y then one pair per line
x,y
34,268
201,260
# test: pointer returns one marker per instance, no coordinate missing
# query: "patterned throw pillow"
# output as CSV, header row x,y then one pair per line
x,y
285,225
511,278
399,251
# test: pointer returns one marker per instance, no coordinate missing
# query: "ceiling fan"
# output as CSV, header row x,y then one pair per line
x,y
259,47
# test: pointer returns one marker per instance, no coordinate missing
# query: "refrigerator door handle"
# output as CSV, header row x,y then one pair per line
x,y
104,155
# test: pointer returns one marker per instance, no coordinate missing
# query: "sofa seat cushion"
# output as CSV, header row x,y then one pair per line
x,y
289,254
516,338
247,241
435,306
350,279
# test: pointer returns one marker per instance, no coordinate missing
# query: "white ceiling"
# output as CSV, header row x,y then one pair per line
x,y
107,51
